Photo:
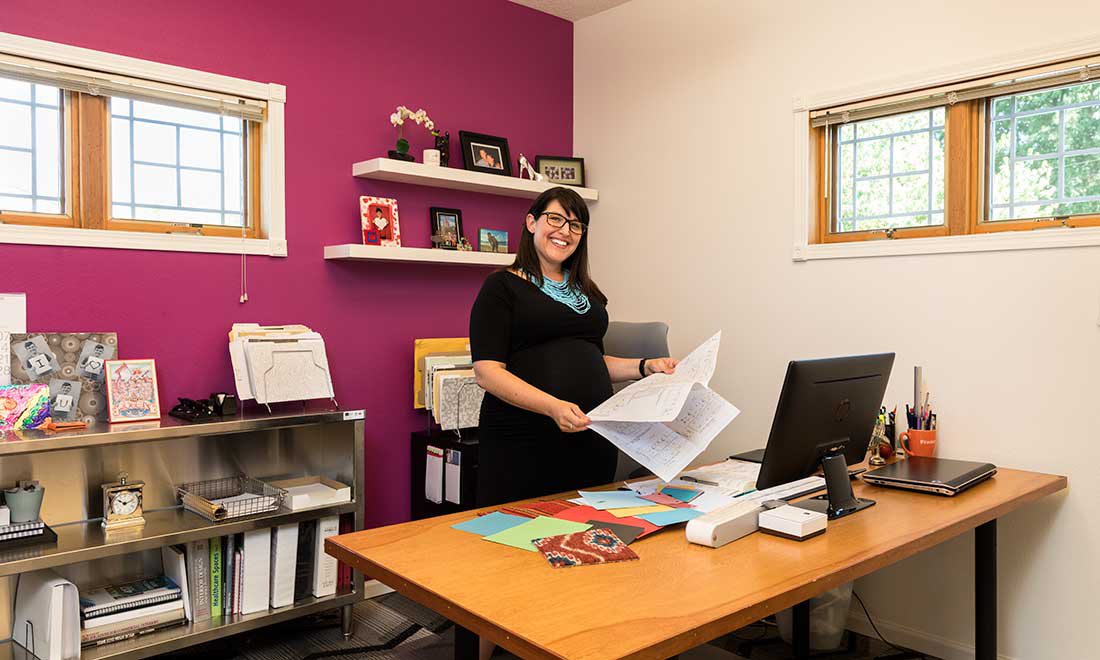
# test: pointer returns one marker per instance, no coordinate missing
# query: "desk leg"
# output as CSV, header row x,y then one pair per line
x,y
800,630
466,644
985,591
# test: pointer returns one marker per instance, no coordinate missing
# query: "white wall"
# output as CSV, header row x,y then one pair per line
x,y
683,114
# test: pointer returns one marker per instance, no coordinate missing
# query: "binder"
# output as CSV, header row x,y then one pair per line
x,y
47,616
284,555
174,561
256,571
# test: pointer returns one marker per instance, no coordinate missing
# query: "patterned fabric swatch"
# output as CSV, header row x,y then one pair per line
x,y
535,509
594,546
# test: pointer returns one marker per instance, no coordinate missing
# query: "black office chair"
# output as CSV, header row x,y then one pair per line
x,y
634,340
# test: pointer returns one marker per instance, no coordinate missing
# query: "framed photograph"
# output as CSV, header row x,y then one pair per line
x,y
132,390
485,153
378,216
561,169
492,240
446,228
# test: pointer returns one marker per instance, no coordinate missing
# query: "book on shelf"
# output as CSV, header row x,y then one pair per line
x,y
324,565
343,571
127,596
215,577
228,577
284,552
303,572
133,628
238,578
174,564
131,620
198,578
256,571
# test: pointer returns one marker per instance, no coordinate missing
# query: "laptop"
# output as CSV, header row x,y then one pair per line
x,y
931,475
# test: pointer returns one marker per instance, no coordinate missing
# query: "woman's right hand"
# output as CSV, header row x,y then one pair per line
x,y
568,416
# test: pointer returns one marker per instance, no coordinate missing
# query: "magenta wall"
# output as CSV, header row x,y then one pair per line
x,y
483,65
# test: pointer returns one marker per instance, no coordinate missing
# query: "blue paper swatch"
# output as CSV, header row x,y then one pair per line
x,y
490,523
662,518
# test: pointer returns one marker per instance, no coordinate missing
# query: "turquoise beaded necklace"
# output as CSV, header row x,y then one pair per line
x,y
570,296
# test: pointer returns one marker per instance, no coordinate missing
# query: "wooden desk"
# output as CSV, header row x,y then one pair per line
x,y
678,595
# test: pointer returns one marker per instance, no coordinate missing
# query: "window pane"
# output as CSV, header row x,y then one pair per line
x,y
1044,153
155,185
15,125
183,166
890,172
30,147
15,173
154,143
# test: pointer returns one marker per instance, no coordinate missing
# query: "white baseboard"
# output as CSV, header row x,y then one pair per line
x,y
918,640
374,588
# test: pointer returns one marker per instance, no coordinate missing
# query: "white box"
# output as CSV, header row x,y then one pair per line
x,y
792,522
310,492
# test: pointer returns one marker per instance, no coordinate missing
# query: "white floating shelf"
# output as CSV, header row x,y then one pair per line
x,y
355,252
399,171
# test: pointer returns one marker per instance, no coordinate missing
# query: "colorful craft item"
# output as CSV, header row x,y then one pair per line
x,y
24,406
521,536
489,524
587,514
594,546
682,494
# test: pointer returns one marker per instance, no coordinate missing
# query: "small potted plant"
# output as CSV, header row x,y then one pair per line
x,y
398,120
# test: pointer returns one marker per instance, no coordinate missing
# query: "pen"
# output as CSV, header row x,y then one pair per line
x,y
747,492
699,481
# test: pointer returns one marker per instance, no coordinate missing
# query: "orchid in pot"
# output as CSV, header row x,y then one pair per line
x,y
398,119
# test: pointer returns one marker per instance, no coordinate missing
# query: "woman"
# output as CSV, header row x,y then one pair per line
x,y
536,336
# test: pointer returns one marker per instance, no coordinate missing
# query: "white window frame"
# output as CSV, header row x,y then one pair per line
x,y
272,158
804,193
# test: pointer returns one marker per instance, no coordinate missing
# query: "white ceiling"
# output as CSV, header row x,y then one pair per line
x,y
572,10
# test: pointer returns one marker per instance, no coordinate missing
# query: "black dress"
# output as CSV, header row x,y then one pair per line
x,y
523,454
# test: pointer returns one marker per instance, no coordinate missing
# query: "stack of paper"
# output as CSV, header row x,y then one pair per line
x,y
665,421
279,363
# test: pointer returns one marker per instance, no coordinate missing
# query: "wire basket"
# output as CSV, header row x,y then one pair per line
x,y
230,497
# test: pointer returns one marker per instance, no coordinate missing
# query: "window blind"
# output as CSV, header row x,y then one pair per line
x,y
1054,75
98,83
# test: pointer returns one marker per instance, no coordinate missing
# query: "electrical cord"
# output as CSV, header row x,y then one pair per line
x,y
875,628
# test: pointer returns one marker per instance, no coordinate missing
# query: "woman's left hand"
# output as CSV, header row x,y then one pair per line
x,y
661,366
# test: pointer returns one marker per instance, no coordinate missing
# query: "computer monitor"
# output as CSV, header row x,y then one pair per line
x,y
825,416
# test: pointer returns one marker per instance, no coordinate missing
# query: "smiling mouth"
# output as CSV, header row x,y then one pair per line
x,y
558,242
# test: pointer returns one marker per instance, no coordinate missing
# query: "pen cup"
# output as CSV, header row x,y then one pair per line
x,y
918,443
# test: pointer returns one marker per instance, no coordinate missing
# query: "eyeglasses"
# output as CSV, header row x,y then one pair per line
x,y
557,221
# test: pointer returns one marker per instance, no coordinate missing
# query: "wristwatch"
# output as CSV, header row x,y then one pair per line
x,y
641,366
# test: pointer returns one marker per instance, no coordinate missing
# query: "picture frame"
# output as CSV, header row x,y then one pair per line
x,y
446,228
132,393
485,153
492,240
379,221
564,170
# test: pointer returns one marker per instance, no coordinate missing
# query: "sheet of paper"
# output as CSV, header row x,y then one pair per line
x,y
490,523
671,517
521,536
452,477
611,499
626,533
665,421
13,312
731,474
637,510
433,475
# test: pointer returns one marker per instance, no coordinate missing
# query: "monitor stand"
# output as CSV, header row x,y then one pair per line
x,y
839,501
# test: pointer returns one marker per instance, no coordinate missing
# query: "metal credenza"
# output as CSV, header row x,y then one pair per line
x,y
164,454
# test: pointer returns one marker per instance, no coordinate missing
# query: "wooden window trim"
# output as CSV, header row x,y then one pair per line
x,y
70,196
87,201
965,185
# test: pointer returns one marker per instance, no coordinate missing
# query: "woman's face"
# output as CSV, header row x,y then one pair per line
x,y
553,244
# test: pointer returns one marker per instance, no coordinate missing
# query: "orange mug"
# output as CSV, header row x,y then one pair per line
x,y
918,443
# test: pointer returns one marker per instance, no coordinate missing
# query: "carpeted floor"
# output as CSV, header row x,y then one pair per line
x,y
395,628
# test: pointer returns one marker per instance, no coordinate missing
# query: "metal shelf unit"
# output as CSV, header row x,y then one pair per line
x,y
164,454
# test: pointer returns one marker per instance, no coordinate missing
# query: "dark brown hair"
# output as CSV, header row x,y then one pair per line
x,y
527,258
